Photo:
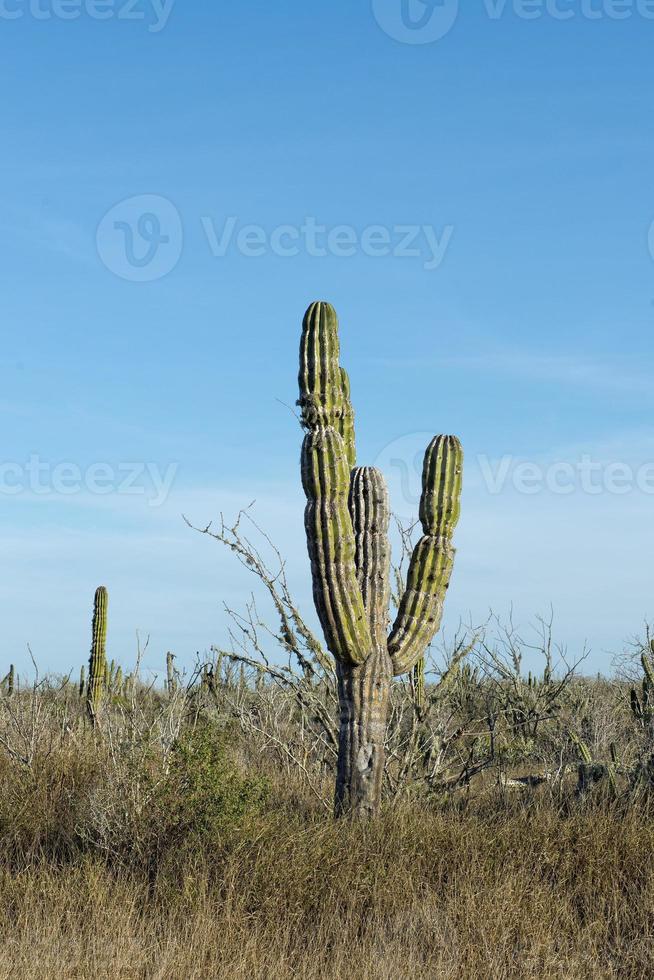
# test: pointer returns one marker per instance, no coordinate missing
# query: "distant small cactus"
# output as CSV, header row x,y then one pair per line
x,y
9,681
98,658
591,772
642,706
419,691
129,686
170,674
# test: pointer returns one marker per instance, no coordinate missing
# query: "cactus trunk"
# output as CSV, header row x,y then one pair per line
x,y
364,696
346,522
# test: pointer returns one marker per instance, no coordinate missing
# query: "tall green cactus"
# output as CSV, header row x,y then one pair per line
x,y
643,707
346,521
98,658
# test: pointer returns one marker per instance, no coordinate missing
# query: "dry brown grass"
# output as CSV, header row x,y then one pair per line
x,y
173,845
509,890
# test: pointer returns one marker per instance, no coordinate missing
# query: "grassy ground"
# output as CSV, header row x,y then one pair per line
x,y
503,894
171,845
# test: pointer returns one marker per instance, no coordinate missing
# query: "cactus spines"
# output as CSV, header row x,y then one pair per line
x,y
98,658
346,522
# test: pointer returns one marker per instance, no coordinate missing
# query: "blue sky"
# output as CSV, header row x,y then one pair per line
x,y
511,157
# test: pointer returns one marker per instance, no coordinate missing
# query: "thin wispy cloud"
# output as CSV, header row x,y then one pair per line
x,y
625,374
52,233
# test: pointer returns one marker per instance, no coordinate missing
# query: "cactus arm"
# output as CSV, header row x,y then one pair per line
x,y
370,515
324,385
364,698
421,608
430,569
331,546
328,455
98,657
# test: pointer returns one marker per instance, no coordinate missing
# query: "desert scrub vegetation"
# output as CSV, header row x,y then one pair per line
x,y
187,831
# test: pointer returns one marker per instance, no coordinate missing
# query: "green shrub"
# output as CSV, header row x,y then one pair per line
x,y
209,797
